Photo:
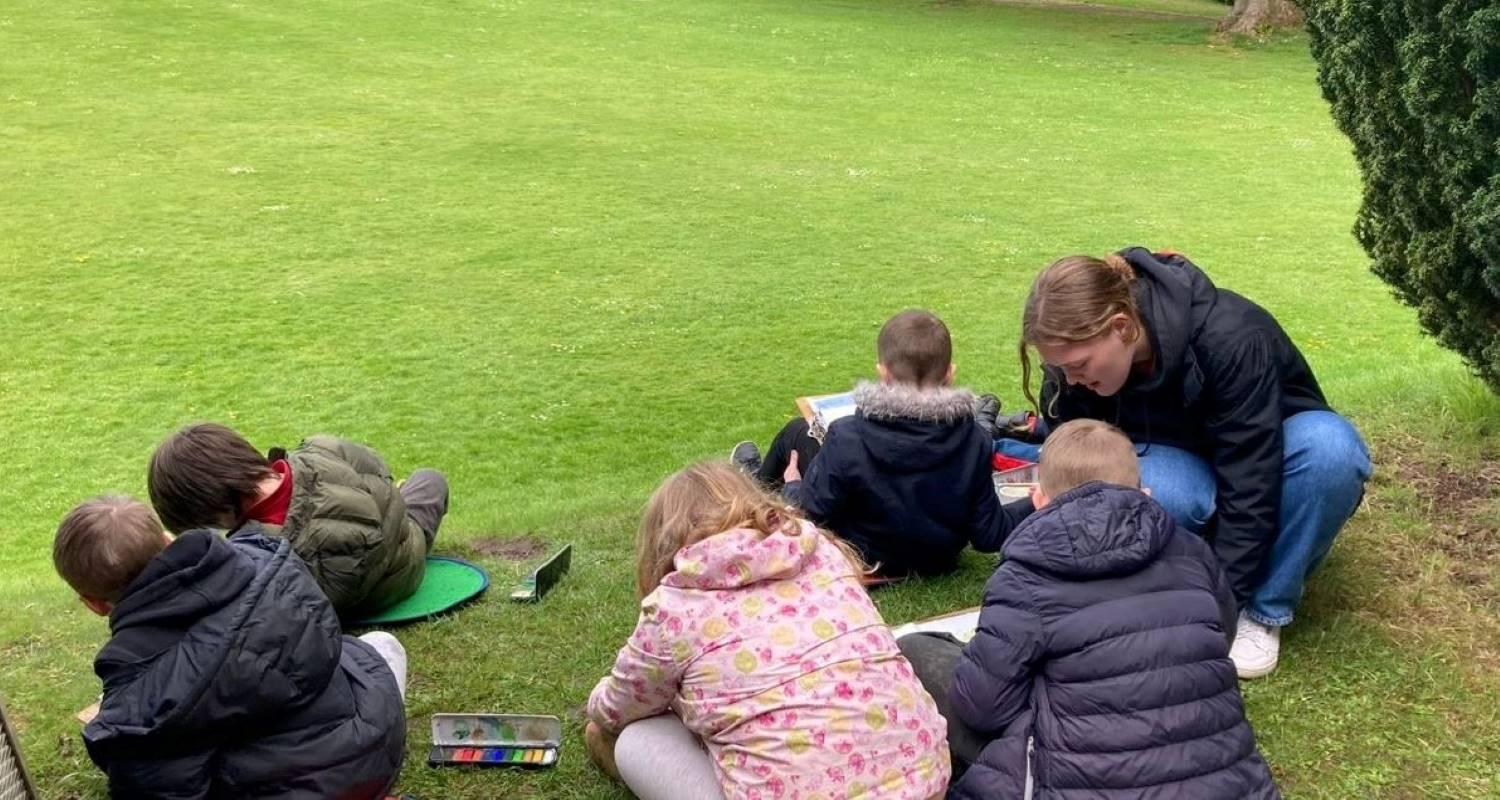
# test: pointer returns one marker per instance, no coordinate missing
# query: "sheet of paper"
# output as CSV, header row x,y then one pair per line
x,y
831,407
961,624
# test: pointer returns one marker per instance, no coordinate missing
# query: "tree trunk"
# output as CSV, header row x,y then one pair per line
x,y
1253,16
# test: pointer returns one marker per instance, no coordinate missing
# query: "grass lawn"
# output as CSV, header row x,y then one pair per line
x,y
560,248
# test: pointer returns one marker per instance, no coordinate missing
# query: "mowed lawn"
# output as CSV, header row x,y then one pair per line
x,y
560,248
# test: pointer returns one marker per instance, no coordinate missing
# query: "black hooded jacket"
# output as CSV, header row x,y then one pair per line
x,y
1226,376
226,676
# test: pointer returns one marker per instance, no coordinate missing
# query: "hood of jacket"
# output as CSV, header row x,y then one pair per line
x,y
233,654
912,429
741,557
1095,530
1174,299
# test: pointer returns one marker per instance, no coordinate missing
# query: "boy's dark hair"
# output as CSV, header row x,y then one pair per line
x,y
201,474
915,348
104,543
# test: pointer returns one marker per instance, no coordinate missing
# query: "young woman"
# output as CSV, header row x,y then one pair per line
x,y
1229,421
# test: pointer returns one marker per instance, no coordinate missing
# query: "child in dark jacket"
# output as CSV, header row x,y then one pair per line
x,y
907,478
225,674
1100,666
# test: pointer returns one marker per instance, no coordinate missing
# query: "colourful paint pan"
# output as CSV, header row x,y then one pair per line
x,y
494,740
492,757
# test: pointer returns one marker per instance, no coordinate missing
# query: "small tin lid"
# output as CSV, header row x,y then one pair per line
x,y
496,730
1014,491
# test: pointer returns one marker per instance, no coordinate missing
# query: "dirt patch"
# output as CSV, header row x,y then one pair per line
x,y
1438,584
518,548
1459,502
1446,488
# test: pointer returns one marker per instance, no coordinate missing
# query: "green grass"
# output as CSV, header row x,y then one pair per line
x,y
1185,8
560,248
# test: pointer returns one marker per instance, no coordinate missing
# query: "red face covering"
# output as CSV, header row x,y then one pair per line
x,y
272,509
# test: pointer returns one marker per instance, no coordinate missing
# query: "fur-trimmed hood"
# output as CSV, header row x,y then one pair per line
x,y
906,478
910,430
899,401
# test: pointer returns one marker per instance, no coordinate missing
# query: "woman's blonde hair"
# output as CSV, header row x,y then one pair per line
x,y
703,500
1073,300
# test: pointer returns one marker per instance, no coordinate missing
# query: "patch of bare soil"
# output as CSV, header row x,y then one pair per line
x,y
518,548
1440,584
1459,502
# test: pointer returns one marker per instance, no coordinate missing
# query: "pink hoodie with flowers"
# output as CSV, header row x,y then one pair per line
x,y
770,650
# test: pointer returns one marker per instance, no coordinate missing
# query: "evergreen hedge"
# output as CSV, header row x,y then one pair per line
x,y
1416,87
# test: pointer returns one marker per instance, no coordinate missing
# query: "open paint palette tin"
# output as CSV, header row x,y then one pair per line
x,y
541,580
1014,478
494,740
1012,470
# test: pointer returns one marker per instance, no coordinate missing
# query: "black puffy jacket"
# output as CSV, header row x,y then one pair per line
x,y
1226,378
226,676
1102,649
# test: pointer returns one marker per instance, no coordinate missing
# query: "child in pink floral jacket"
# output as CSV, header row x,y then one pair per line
x,y
781,679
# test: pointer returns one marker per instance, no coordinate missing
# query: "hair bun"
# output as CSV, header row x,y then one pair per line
x,y
1118,265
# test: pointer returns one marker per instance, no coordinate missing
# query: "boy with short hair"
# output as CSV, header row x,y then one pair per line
x,y
226,673
906,479
1100,665
364,539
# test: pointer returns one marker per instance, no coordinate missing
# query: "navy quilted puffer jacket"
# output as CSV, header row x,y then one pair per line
x,y
1102,662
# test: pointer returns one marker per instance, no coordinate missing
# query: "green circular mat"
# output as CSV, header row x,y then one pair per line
x,y
448,583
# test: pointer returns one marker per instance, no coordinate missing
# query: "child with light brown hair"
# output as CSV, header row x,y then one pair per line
x,y
1100,665
759,667
226,674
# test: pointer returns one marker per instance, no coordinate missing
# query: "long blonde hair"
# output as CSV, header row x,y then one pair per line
x,y
703,500
1073,300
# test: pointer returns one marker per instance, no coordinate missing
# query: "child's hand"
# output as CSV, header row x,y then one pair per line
x,y
601,749
792,473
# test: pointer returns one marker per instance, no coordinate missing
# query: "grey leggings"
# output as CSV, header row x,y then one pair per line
x,y
660,759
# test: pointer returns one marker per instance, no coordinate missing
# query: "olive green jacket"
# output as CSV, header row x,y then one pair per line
x,y
348,522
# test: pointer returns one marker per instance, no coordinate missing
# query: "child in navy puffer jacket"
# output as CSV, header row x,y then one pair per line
x,y
1100,667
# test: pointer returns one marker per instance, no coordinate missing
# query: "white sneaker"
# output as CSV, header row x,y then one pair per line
x,y
1256,648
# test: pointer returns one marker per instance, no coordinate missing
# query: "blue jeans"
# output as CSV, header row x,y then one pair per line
x,y
1324,469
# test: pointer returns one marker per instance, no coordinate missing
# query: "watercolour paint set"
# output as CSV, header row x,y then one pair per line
x,y
494,740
